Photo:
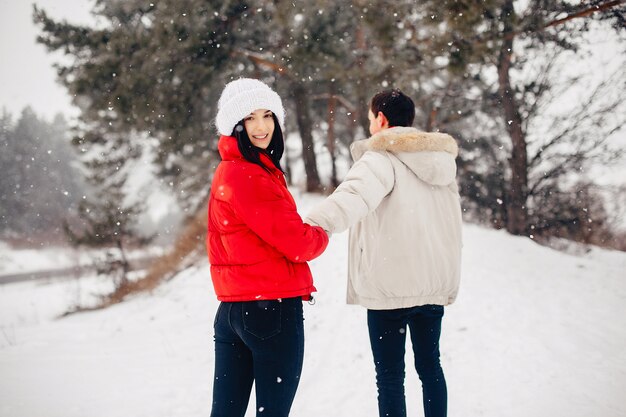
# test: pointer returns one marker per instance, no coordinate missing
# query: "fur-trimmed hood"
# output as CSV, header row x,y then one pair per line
x,y
430,155
402,205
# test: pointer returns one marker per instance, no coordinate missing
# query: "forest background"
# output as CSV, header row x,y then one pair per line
x,y
532,90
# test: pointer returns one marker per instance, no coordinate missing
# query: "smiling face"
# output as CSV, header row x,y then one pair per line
x,y
259,126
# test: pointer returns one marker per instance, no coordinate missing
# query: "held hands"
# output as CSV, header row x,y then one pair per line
x,y
312,223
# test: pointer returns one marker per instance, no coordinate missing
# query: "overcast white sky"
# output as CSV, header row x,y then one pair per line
x,y
26,73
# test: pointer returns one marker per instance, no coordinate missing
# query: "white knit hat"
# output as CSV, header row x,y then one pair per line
x,y
240,98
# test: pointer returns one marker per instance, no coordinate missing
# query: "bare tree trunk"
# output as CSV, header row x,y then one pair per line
x,y
332,109
361,92
125,265
432,118
518,188
305,127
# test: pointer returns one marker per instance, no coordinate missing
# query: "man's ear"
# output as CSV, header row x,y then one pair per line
x,y
383,122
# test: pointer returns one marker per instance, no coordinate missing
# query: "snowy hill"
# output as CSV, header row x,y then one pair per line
x,y
534,332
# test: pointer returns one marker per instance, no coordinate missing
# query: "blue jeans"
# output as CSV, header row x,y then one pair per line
x,y
387,329
260,341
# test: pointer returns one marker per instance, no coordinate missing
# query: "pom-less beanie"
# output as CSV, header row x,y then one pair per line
x,y
240,98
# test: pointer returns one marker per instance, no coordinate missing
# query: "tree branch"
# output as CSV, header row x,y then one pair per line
x,y
582,115
344,101
585,12
262,61
542,87
582,13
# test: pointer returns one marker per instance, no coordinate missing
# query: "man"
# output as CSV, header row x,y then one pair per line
x,y
401,203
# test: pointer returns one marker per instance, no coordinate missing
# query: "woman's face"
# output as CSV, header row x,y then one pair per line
x,y
259,126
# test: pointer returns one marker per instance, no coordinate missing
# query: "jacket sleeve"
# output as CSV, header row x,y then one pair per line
x,y
369,180
264,209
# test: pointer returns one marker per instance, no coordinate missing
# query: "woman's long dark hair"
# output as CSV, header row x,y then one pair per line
x,y
253,154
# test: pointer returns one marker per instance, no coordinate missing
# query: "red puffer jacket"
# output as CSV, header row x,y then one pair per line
x,y
257,243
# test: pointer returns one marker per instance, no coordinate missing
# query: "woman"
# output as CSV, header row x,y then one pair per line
x,y
258,247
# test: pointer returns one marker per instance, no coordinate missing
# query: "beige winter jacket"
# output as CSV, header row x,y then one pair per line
x,y
401,201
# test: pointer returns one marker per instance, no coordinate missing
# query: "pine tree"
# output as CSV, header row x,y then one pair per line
x,y
38,186
10,173
161,67
108,222
158,65
498,36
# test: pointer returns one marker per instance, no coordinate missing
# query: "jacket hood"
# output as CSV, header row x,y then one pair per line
x,y
229,151
227,146
430,155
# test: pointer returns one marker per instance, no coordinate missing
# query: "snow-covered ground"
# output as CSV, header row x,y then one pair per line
x,y
30,260
55,257
534,332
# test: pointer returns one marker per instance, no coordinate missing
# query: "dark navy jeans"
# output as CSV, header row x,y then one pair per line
x,y
260,341
387,329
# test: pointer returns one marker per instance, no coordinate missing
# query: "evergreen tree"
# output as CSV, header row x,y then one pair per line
x,y
38,186
109,223
502,37
159,67
152,68
10,171
445,54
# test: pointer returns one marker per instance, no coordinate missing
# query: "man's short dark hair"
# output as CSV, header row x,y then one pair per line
x,y
397,107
